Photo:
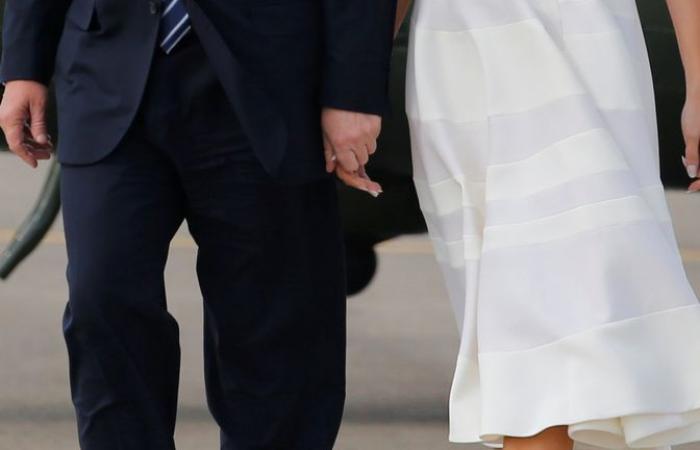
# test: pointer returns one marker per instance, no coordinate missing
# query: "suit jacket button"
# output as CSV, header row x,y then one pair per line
x,y
154,6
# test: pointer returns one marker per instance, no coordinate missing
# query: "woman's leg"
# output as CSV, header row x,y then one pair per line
x,y
555,438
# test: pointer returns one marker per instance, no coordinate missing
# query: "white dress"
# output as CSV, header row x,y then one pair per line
x,y
536,163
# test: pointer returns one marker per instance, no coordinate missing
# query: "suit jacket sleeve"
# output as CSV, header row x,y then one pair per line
x,y
31,31
358,43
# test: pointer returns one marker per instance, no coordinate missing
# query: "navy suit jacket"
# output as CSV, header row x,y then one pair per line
x,y
280,62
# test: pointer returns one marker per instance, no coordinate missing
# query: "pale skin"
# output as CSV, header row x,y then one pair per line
x,y
350,138
686,19
23,120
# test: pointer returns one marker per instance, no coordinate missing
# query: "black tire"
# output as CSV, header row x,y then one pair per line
x,y
361,264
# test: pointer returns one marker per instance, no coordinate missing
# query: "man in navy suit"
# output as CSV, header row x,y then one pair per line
x,y
229,115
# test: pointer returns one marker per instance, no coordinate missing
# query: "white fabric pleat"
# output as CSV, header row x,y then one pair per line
x,y
537,169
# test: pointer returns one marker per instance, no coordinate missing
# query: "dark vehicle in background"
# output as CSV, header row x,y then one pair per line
x,y
370,221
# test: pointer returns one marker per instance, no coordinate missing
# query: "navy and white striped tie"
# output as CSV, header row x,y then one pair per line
x,y
174,25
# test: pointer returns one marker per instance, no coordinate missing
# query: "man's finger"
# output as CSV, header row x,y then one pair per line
x,y
329,155
372,147
39,153
25,156
29,140
33,146
38,123
347,160
361,154
14,134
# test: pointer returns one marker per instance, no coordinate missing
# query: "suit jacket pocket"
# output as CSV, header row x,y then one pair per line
x,y
285,17
83,14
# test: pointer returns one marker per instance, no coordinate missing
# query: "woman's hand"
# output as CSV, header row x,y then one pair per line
x,y
690,122
686,20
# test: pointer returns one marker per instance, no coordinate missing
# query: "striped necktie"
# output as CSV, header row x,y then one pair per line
x,y
174,25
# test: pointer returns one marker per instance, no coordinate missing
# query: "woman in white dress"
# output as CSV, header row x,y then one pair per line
x,y
535,154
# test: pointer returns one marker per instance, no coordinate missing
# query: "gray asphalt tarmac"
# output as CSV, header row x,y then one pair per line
x,y
402,340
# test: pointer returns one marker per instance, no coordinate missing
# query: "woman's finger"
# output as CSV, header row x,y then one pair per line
x,y
372,185
694,187
691,159
690,124
355,180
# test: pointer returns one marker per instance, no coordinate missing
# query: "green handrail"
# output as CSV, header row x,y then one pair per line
x,y
35,226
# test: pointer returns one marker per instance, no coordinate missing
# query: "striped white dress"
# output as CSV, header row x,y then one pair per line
x,y
536,163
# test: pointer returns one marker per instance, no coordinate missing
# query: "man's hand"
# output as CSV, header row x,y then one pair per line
x,y
349,139
23,120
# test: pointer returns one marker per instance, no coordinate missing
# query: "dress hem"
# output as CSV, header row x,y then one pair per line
x,y
617,386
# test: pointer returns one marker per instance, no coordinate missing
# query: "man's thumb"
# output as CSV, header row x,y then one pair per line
x,y
38,124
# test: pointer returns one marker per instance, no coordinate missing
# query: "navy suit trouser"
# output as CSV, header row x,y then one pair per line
x,y
270,267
